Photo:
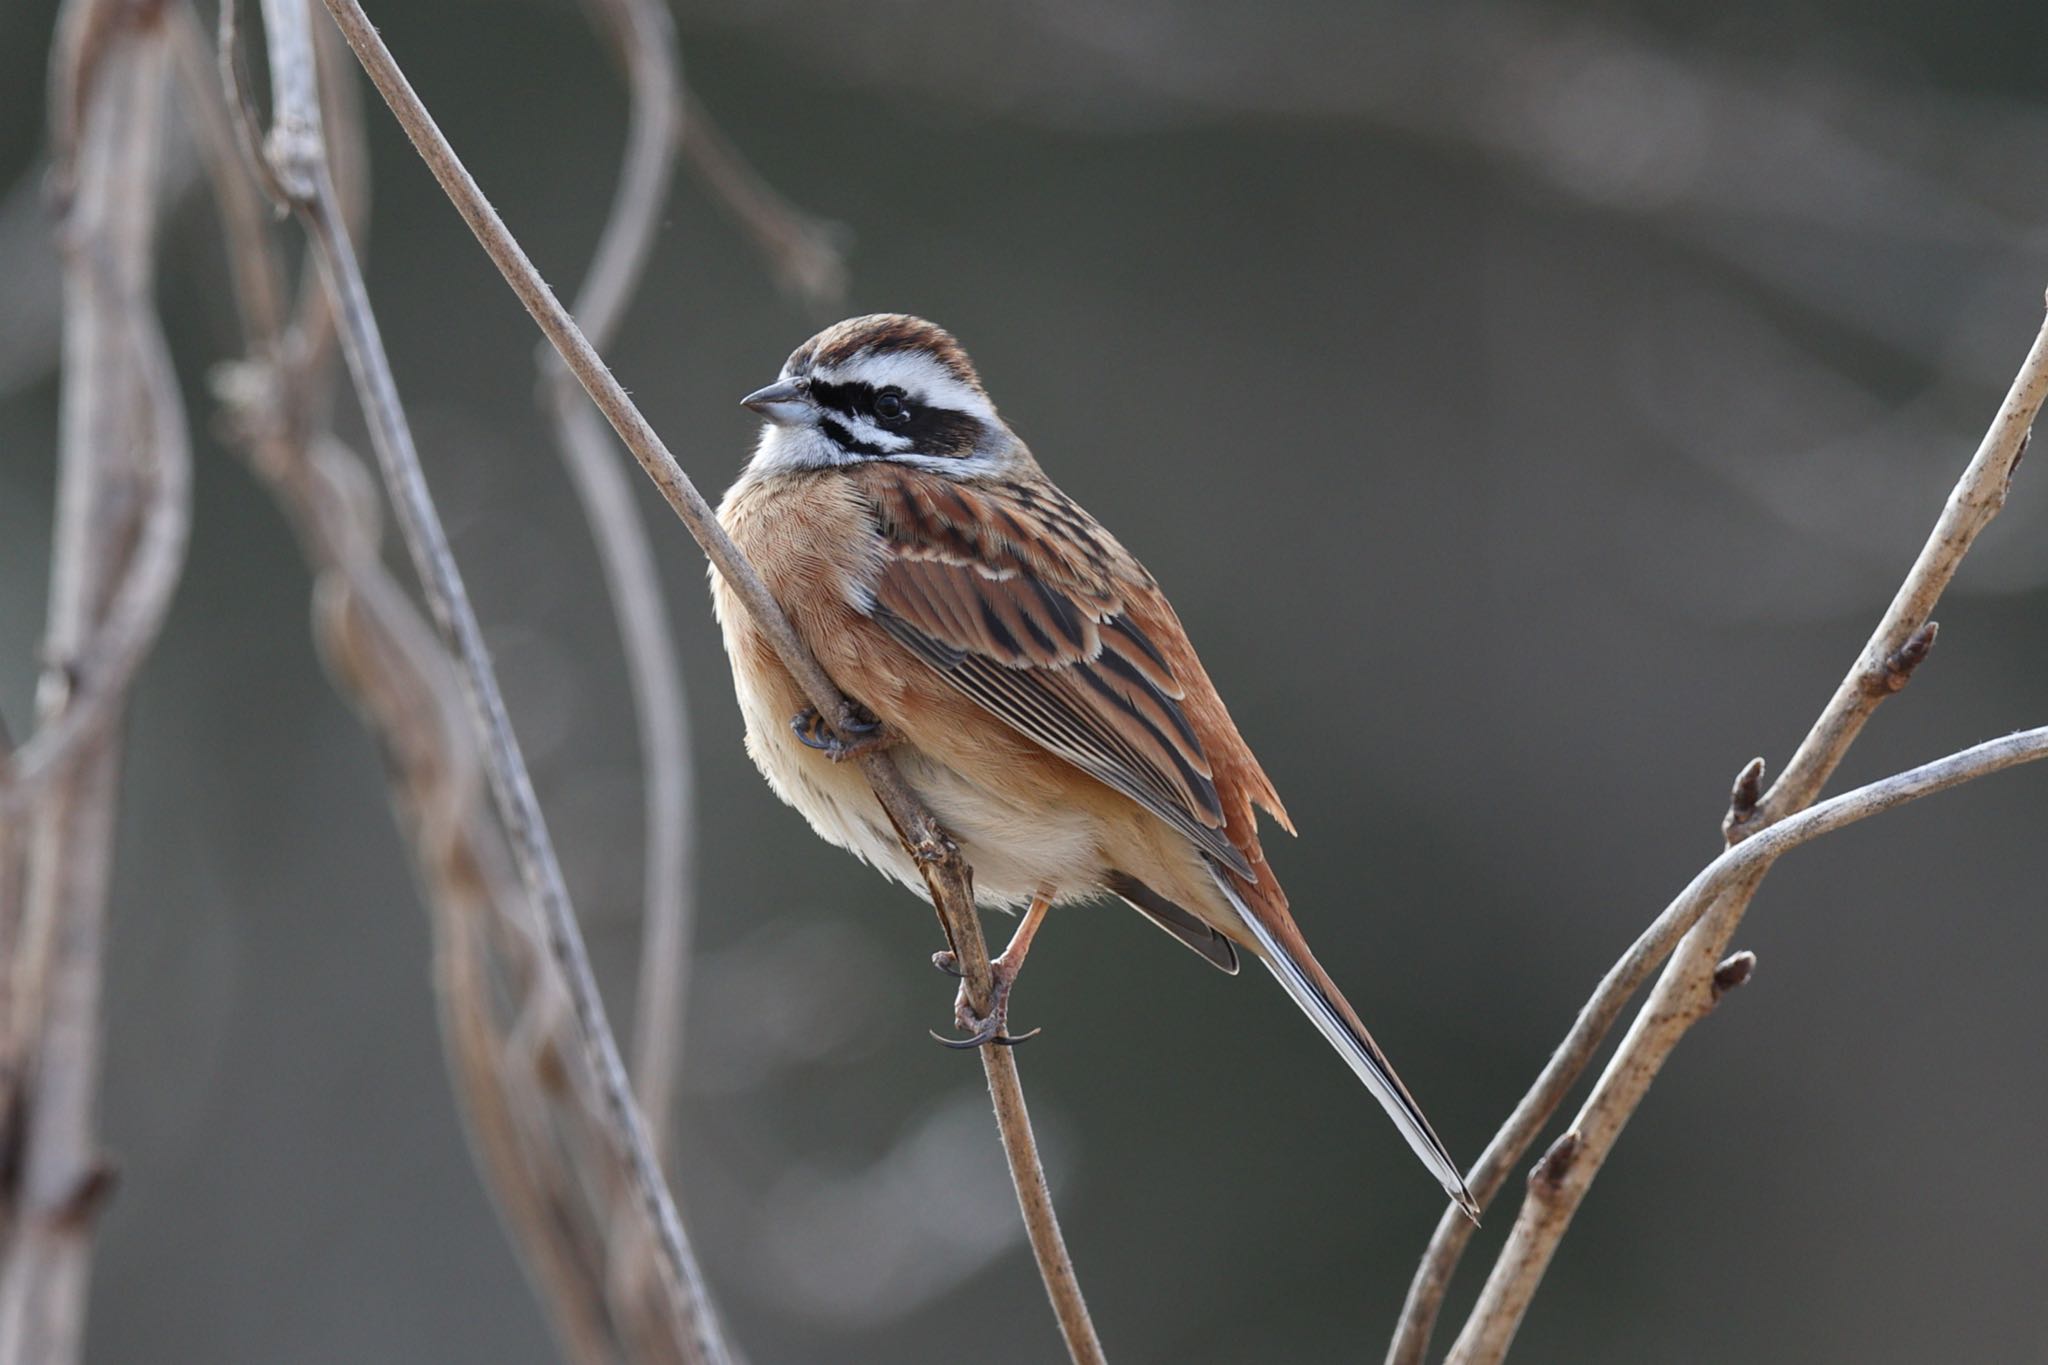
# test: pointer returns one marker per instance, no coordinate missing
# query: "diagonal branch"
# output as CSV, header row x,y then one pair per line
x,y
543,1146
296,153
1572,1161
946,875
1898,644
1688,990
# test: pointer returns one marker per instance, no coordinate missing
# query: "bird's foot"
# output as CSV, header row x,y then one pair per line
x,y
994,1027
866,734
933,849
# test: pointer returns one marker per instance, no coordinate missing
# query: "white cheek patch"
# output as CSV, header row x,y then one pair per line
x,y
923,378
785,450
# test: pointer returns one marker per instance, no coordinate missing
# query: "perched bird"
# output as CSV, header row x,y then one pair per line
x,y
1039,692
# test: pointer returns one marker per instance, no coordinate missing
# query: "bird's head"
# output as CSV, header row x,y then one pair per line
x,y
882,387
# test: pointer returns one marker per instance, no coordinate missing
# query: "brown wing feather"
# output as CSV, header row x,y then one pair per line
x,y
1024,603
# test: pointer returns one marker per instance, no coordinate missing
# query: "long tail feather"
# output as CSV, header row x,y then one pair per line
x,y
1317,995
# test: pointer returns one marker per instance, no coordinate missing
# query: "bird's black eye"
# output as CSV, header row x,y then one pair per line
x,y
892,407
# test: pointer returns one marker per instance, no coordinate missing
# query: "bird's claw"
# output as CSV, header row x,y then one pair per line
x,y
982,1030
990,1031
865,734
934,850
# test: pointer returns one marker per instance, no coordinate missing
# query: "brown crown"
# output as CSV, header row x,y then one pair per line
x,y
878,334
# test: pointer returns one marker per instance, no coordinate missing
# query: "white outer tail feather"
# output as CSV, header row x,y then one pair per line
x,y
1378,1078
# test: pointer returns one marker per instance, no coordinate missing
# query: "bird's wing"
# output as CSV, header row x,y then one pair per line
x,y
1020,600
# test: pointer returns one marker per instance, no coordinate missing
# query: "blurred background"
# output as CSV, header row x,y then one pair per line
x,y
1530,410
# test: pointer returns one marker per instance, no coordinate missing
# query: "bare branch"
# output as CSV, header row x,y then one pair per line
x,y
644,40
1898,644
122,513
254,273
299,165
945,874
805,252
383,655
1561,1178
12,854
1686,993
100,672
110,286
1976,499
543,1145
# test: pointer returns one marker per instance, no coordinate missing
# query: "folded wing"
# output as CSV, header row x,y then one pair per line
x,y
1026,605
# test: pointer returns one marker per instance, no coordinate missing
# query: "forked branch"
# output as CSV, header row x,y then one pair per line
x,y
1688,989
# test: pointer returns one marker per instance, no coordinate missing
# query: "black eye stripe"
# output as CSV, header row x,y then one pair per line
x,y
853,399
937,431
929,430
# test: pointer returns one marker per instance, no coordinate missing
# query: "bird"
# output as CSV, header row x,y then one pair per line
x,y
1034,685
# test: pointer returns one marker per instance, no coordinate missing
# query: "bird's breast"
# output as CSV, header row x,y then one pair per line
x,y
813,541
814,546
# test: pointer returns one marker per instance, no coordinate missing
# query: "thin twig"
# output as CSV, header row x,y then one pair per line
x,y
1573,1158
122,509
1686,991
385,658
100,666
11,855
105,664
300,168
255,275
805,252
644,40
945,874
10,937
539,1143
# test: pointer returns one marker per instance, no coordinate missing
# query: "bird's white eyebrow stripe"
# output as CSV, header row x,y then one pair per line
x,y
916,374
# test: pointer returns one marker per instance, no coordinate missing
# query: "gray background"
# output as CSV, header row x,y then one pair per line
x,y
1529,412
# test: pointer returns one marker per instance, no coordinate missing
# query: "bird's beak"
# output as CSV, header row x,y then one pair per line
x,y
785,403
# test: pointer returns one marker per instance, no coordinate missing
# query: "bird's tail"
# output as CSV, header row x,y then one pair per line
x,y
1311,988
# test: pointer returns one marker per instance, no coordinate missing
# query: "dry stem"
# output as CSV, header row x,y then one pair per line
x,y
945,874
803,251
296,154
1575,1157
107,241
1687,989
122,513
542,1144
644,41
